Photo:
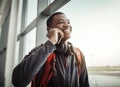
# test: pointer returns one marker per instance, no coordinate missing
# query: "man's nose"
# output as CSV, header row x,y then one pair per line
x,y
66,24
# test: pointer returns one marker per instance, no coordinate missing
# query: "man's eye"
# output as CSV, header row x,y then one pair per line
x,y
68,22
60,22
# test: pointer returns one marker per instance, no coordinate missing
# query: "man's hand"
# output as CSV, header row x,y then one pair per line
x,y
55,35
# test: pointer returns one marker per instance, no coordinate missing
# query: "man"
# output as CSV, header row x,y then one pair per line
x,y
65,71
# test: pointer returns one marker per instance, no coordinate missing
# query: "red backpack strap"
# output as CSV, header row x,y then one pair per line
x,y
78,56
47,73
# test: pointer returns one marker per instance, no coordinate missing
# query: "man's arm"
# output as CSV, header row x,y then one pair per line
x,y
31,64
84,81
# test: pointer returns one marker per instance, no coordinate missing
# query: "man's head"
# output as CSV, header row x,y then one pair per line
x,y
60,21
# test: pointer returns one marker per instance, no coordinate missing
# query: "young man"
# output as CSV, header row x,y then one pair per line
x,y
63,70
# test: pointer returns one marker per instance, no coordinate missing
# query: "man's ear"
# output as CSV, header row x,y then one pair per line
x,y
48,28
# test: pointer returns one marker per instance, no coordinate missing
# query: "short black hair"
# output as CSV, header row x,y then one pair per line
x,y
50,19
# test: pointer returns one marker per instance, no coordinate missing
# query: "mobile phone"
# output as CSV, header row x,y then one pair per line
x,y
59,38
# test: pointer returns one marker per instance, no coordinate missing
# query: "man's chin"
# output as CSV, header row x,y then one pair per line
x,y
65,39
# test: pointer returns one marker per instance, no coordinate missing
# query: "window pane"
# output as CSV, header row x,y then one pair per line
x,y
19,16
30,41
96,25
96,31
17,53
31,11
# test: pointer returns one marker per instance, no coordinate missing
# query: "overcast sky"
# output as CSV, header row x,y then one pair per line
x,y
96,30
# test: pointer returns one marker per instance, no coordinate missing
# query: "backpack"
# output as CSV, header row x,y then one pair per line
x,y
47,73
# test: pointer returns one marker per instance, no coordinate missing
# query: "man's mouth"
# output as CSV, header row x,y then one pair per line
x,y
66,30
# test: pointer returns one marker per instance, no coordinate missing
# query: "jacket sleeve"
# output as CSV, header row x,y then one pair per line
x,y
24,72
84,81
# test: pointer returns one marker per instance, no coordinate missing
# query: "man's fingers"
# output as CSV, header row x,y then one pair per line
x,y
55,35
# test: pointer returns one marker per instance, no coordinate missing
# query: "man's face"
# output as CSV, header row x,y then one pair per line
x,y
61,22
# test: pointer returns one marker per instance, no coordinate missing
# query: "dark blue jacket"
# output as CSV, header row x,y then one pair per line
x,y
67,71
